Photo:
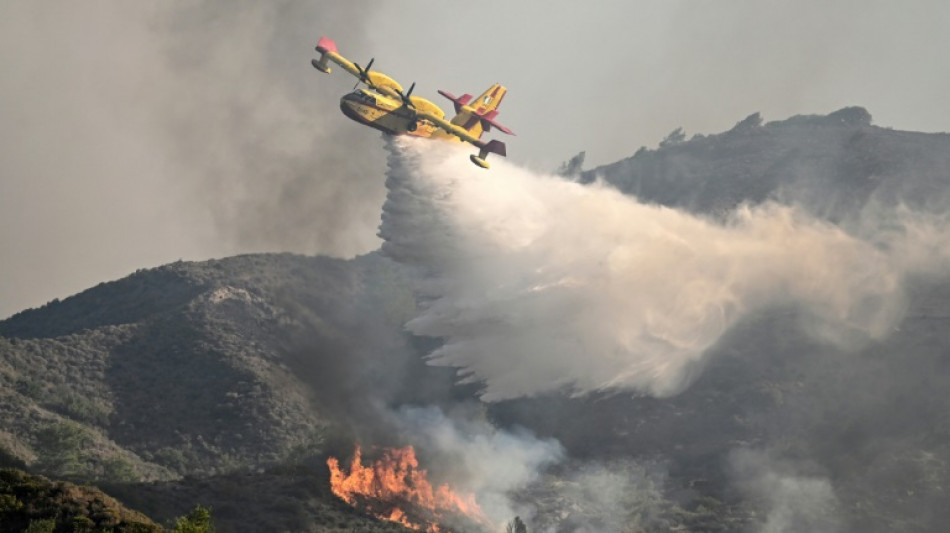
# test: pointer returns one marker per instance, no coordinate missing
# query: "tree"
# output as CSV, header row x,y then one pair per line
x,y
750,123
516,526
46,525
59,445
572,167
675,137
197,521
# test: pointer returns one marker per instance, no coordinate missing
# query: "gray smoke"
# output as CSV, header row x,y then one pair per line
x,y
137,134
278,165
478,458
794,501
618,495
538,284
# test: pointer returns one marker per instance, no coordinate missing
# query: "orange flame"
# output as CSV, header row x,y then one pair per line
x,y
397,479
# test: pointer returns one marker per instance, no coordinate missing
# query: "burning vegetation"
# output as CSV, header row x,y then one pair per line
x,y
394,488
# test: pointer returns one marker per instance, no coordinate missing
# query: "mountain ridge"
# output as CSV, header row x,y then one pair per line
x,y
841,154
236,378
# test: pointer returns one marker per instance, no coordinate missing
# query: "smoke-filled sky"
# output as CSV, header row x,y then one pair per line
x,y
136,134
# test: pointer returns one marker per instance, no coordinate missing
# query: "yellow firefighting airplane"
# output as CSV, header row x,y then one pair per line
x,y
383,105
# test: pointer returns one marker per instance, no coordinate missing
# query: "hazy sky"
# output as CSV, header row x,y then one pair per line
x,y
134,134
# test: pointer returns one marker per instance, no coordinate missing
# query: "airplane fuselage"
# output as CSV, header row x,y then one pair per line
x,y
386,114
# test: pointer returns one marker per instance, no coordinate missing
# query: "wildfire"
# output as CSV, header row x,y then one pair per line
x,y
394,488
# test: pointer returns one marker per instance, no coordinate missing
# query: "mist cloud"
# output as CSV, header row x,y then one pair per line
x,y
538,284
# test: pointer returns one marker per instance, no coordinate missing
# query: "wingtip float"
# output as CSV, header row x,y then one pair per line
x,y
383,105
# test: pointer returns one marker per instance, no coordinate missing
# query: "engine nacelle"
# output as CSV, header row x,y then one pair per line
x,y
425,106
380,80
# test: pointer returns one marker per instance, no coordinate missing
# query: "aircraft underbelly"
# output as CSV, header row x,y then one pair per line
x,y
385,120
372,117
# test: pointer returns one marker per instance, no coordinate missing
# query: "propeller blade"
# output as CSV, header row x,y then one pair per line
x,y
364,72
360,70
404,96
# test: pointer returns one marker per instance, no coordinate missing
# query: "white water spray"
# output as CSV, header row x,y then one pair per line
x,y
539,284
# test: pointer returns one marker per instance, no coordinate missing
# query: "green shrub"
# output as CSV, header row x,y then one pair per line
x,y
46,525
197,521
59,446
82,524
9,503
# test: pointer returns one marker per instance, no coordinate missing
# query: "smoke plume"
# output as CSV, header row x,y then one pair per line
x,y
481,459
619,495
795,501
137,134
277,165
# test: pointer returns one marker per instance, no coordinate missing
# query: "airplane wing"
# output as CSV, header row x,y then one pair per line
x,y
374,80
447,126
329,52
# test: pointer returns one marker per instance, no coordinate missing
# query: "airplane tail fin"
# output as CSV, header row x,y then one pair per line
x,y
478,115
490,99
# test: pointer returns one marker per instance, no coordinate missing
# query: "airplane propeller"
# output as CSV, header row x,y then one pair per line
x,y
405,97
407,103
364,72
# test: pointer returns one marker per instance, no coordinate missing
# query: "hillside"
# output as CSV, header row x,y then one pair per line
x,y
237,365
28,501
229,382
856,436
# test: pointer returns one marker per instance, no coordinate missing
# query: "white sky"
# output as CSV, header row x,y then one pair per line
x,y
612,76
132,134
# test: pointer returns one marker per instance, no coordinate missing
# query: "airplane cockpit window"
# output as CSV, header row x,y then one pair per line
x,y
361,96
